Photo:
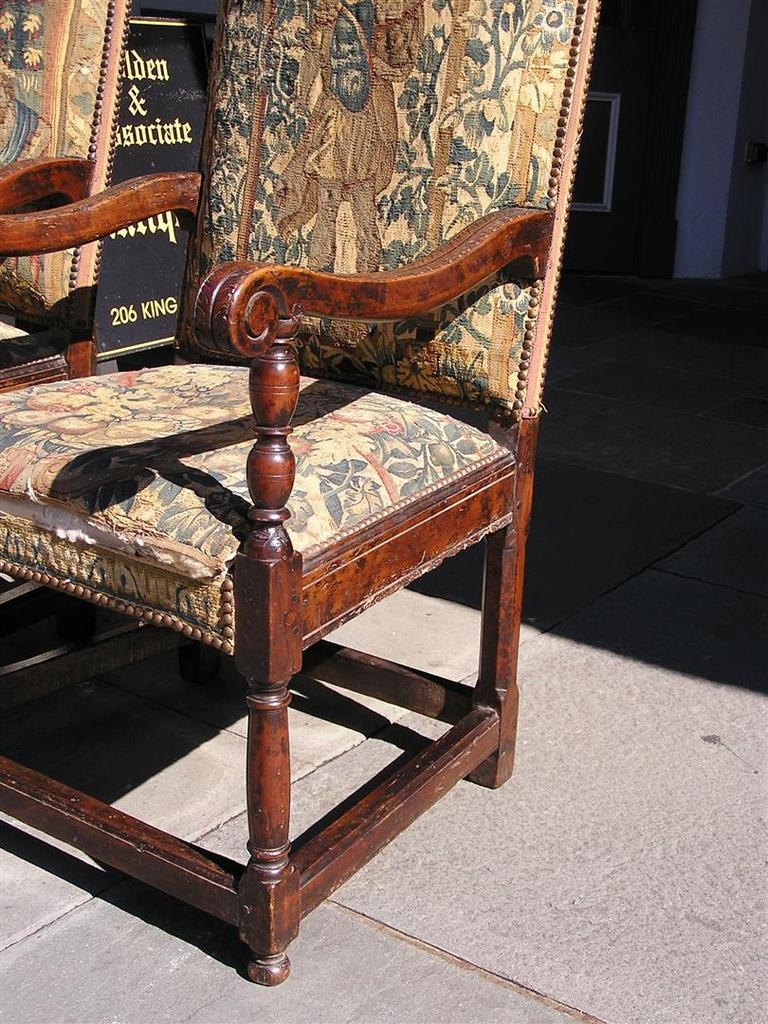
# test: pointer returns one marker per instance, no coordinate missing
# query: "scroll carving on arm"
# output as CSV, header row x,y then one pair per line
x,y
254,309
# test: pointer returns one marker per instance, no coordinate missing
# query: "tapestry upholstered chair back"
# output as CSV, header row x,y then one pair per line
x,y
59,62
358,136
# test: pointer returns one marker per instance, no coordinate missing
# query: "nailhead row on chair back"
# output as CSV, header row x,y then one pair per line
x,y
354,135
59,68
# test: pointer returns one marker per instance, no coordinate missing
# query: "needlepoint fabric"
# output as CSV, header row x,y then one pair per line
x,y
133,484
355,136
59,72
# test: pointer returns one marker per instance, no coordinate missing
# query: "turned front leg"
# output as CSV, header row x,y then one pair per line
x,y
268,653
269,890
268,635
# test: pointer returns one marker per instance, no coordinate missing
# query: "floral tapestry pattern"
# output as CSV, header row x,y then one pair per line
x,y
151,465
354,136
51,58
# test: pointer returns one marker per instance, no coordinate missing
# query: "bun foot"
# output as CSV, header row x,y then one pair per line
x,y
269,970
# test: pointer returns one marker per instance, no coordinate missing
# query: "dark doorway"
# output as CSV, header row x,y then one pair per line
x,y
623,219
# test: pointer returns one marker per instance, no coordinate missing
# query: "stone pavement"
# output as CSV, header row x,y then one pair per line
x,y
619,877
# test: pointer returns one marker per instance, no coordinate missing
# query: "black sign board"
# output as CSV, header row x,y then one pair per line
x,y
160,126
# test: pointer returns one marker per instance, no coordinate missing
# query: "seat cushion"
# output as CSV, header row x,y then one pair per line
x,y
130,488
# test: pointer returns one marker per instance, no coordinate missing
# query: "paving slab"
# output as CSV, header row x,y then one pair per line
x,y
579,323
38,884
632,439
696,629
751,489
653,306
755,279
178,774
750,410
589,289
564,362
681,390
724,324
622,871
744,292
421,631
418,630
172,752
322,729
318,793
673,345
146,959
175,772
577,326
734,553
590,531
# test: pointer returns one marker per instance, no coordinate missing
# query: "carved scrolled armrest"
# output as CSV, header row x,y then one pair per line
x,y
240,305
254,309
29,181
91,218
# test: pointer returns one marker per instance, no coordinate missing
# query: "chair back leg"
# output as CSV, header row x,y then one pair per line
x,y
502,610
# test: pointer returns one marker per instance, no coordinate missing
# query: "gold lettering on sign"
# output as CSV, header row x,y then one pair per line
x,y
136,106
163,222
137,69
150,310
153,308
160,133
152,132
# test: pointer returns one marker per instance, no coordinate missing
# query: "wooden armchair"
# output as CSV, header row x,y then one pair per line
x,y
59,69
384,201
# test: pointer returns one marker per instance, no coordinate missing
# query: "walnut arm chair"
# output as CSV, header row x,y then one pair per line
x,y
383,206
59,75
